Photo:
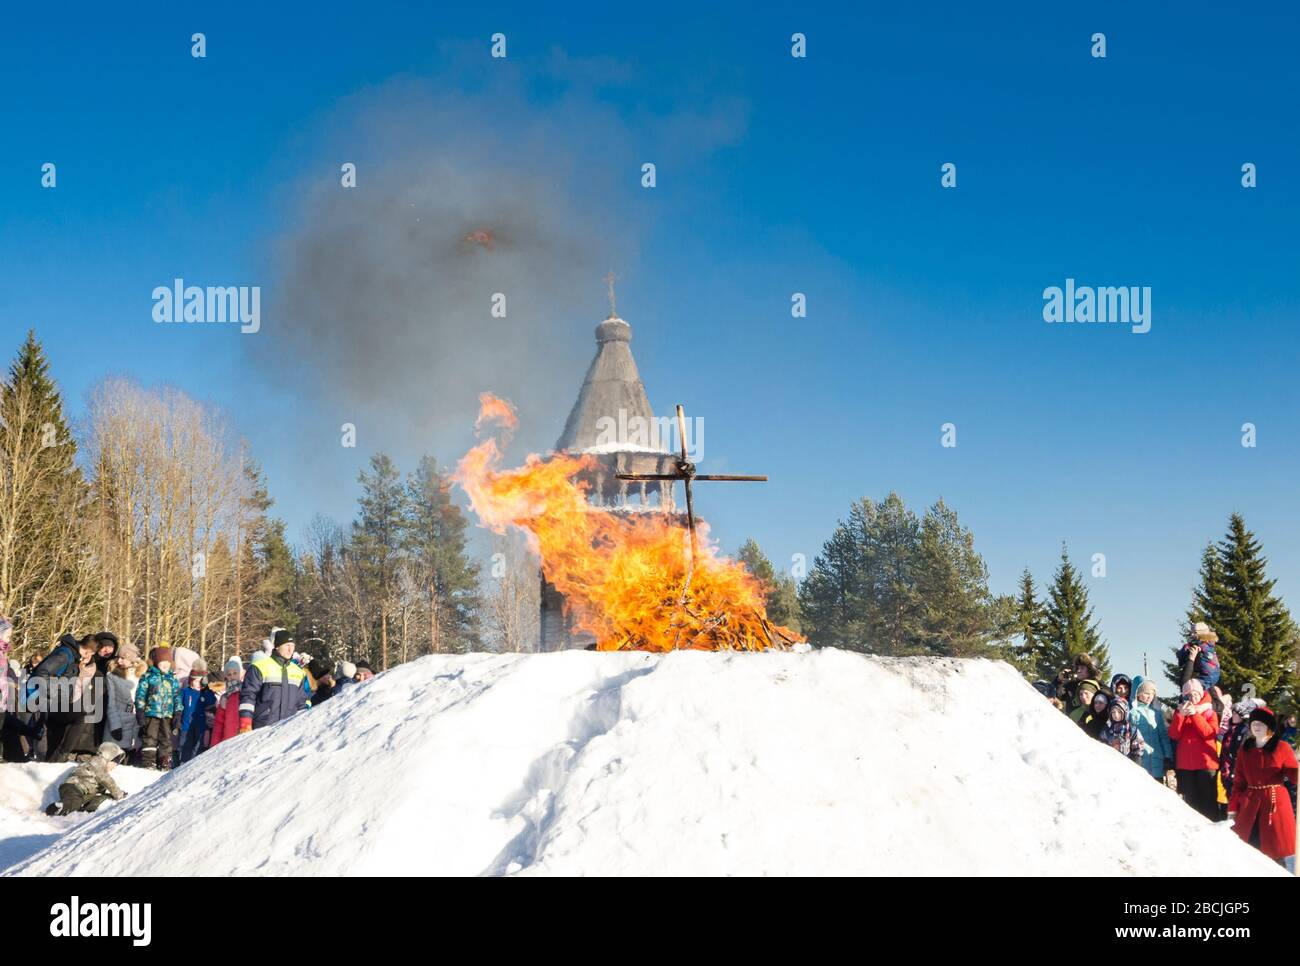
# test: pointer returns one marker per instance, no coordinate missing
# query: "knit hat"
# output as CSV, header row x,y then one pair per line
x,y
366,665
234,664
281,638
110,751
160,654
347,669
199,665
128,653
318,669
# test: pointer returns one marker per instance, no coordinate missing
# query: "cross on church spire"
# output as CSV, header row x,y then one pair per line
x,y
609,280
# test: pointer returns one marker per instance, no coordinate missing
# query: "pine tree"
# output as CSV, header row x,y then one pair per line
x,y
780,593
952,587
1068,628
276,579
1030,654
46,586
890,583
1257,636
377,537
435,543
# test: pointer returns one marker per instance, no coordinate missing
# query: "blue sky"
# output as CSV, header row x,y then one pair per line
x,y
775,175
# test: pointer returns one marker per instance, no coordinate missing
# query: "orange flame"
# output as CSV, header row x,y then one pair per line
x,y
493,409
626,578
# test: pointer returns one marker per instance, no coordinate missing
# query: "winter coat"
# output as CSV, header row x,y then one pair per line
x,y
87,719
1206,666
1238,734
62,662
1257,798
194,706
1121,735
159,694
1289,736
1194,734
1093,721
91,777
322,692
272,690
1157,749
121,711
225,720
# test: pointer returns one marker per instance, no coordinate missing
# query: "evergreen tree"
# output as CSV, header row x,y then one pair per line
x,y
377,537
1030,654
1257,636
46,584
277,579
891,583
1068,628
780,593
435,542
952,587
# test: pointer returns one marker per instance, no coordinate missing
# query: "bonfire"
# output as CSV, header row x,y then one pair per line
x,y
634,581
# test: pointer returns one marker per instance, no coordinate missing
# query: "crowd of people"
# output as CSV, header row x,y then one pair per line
x,y
95,702
1228,760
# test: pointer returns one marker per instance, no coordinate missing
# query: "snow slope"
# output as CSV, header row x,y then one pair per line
x,y
26,789
689,763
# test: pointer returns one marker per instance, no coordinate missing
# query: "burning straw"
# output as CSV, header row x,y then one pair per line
x,y
624,577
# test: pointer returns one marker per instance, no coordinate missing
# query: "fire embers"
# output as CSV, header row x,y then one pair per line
x,y
627,578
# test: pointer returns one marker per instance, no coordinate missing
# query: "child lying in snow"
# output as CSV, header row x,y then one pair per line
x,y
91,785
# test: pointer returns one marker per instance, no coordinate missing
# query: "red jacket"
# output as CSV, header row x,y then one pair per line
x,y
1197,749
1257,797
225,722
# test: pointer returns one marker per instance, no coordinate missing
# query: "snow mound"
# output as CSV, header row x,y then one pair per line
x,y
688,763
26,789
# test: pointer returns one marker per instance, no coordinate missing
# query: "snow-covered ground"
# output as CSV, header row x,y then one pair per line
x,y
25,790
689,763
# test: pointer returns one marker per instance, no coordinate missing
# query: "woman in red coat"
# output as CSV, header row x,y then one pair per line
x,y
225,718
1259,799
1195,730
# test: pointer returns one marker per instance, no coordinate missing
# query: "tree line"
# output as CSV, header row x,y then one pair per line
x,y
153,520
890,582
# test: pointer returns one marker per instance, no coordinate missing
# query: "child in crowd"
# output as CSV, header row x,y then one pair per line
x,y
1199,659
1120,733
196,699
225,714
1095,719
159,697
1157,749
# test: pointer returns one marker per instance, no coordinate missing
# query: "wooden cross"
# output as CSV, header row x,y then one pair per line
x,y
686,473
609,280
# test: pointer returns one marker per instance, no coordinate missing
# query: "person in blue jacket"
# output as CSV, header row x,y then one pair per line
x,y
1147,717
196,699
274,687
